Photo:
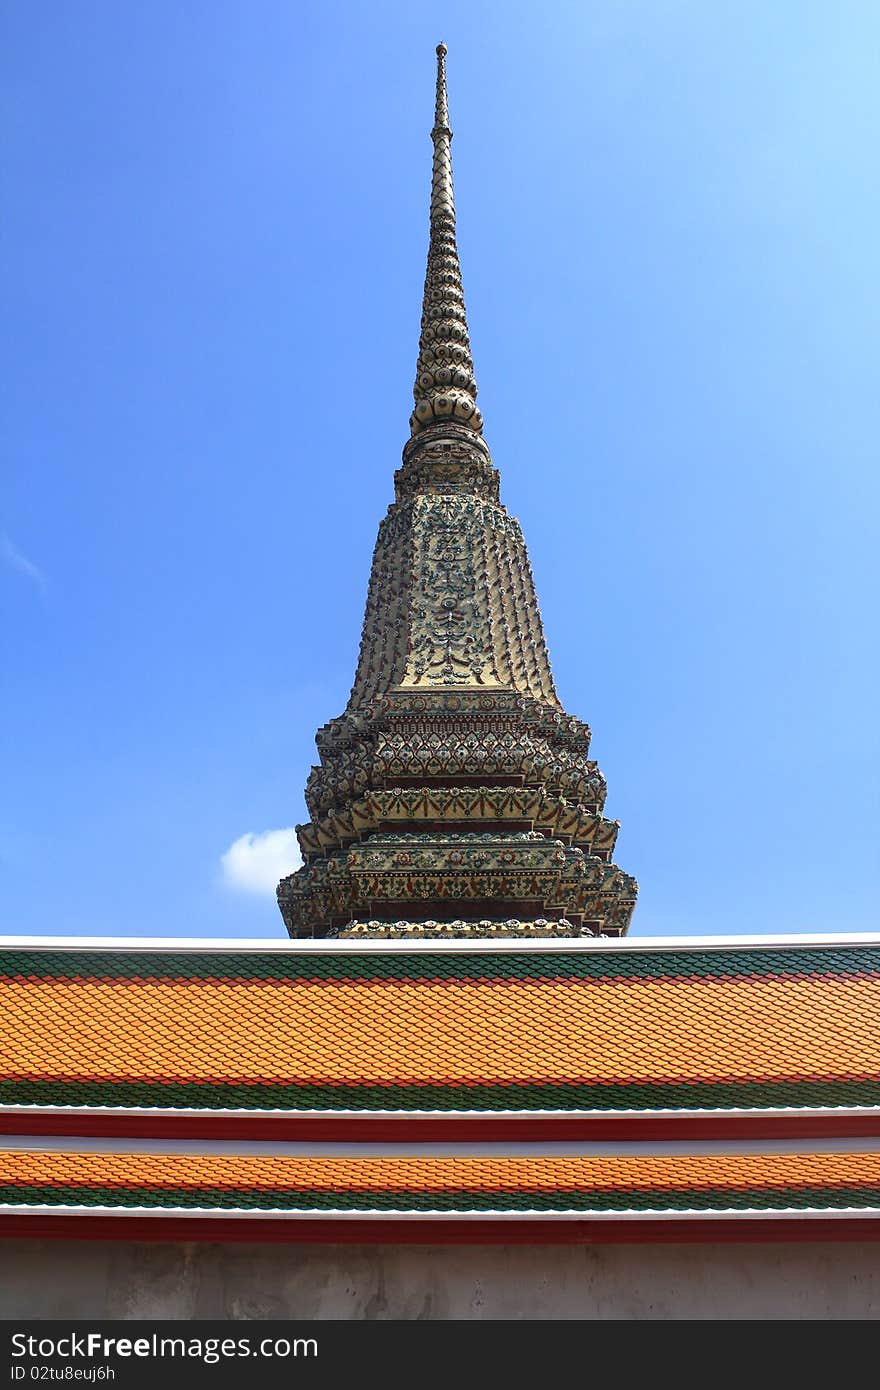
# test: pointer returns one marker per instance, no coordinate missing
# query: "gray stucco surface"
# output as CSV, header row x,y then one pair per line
x,y
115,1279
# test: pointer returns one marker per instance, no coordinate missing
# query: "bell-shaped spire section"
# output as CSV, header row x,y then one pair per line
x,y
445,388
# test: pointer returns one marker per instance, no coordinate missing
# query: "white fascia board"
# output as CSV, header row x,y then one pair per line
x,y
311,1214
454,945
802,1112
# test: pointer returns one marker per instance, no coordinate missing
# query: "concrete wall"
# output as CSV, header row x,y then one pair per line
x,y
113,1279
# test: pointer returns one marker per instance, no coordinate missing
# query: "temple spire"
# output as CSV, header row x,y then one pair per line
x,y
454,795
445,388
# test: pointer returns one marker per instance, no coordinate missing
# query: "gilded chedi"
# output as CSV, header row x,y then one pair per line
x,y
454,795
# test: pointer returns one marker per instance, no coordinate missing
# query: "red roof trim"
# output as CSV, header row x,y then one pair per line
x,y
409,1129
479,1232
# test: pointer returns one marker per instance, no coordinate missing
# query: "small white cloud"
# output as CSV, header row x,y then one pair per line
x,y
16,561
255,863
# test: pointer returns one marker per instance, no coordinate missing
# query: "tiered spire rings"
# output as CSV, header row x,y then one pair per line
x,y
445,387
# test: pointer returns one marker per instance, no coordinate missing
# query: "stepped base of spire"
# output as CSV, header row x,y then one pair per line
x,y
445,876
457,805
486,929
464,738
460,809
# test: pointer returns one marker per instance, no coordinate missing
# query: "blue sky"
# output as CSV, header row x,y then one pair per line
x,y
213,250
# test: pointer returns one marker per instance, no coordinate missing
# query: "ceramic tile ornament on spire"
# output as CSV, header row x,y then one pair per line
x,y
454,796
445,386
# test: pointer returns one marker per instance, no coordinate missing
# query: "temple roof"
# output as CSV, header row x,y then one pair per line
x,y
476,1029
596,1078
576,1183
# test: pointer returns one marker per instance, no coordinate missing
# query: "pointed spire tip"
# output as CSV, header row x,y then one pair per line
x,y
445,389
